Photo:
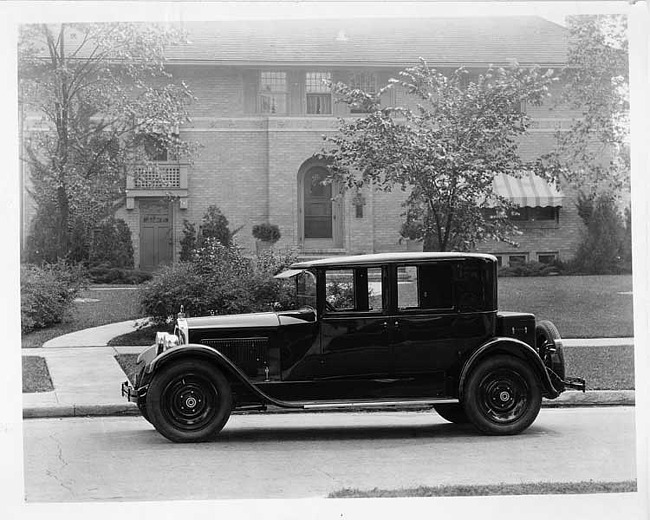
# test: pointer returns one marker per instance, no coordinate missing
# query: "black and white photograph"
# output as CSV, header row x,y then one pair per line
x,y
301,259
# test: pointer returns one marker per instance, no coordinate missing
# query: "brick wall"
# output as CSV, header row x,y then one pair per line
x,y
248,166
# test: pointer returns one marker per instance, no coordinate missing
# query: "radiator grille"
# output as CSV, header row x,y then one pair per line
x,y
248,354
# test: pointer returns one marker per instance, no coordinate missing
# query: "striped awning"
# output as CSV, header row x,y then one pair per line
x,y
528,191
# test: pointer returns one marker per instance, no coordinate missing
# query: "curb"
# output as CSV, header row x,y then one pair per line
x,y
566,400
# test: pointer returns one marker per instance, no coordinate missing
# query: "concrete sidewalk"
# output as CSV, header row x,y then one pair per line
x,y
87,377
96,336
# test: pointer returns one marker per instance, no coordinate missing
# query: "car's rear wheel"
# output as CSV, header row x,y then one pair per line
x,y
549,347
189,401
452,412
502,396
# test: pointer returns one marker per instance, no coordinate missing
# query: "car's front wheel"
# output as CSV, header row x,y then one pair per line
x,y
189,401
502,396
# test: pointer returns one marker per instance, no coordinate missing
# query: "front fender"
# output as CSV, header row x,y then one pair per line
x,y
214,356
512,347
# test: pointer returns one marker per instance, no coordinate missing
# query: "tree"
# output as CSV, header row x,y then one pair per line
x,y
103,96
605,248
593,155
446,152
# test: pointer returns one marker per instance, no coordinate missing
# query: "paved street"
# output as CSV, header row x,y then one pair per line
x,y
310,455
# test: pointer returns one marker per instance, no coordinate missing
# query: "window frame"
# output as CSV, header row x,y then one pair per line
x,y
554,254
419,309
264,89
325,91
358,282
359,85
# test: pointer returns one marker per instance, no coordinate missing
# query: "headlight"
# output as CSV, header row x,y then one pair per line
x,y
165,341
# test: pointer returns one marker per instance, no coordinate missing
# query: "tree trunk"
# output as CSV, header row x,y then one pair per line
x,y
63,236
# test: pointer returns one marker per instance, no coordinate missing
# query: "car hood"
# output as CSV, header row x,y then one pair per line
x,y
254,319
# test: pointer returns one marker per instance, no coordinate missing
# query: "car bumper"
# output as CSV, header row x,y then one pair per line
x,y
129,392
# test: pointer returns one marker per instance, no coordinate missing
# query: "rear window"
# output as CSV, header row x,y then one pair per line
x,y
425,286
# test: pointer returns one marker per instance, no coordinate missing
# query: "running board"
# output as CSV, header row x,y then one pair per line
x,y
373,404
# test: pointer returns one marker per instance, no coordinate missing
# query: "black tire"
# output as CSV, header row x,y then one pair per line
x,y
142,403
142,406
502,396
189,401
452,412
549,347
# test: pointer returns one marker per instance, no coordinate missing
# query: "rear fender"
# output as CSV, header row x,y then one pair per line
x,y
513,347
210,355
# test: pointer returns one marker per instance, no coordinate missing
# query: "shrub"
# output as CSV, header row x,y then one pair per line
x,y
188,242
114,275
217,280
112,244
215,225
531,269
46,293
267,232
603,247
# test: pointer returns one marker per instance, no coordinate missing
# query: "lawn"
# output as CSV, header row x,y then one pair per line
x,y
533,488
580,306
36,376
97,305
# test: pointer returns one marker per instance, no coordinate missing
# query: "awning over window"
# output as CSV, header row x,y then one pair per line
x,y
528,191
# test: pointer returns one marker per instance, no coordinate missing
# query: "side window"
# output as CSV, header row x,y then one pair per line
x,y
425,287
375,302
358,289
339,290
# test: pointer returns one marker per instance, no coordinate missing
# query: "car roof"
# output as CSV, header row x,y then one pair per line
x,y
389,258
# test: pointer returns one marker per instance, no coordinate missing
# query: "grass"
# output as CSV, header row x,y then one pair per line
x,y
36,376
143,336
114,304
533,488
580,306
604,368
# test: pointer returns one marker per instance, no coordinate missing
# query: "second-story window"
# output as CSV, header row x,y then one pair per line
x,y
272,98
365,81
318,88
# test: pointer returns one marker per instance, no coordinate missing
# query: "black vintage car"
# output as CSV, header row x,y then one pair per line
x,y
366,331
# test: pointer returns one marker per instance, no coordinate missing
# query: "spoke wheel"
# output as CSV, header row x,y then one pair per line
x,y
189,401
502,396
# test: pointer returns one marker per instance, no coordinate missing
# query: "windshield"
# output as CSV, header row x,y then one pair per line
x,y
300,287
306,289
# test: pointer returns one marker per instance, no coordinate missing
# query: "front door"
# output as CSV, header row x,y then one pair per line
x,y
354,338
321,211
155,234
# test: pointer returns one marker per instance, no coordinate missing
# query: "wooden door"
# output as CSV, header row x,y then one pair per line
x,y
321,211
155,234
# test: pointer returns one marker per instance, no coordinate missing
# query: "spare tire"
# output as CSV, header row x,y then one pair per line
x,y
549,347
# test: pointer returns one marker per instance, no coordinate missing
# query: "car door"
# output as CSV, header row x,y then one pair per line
x,y
354,328
437,315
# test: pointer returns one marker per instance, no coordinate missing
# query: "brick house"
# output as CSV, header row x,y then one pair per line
x,y
263,109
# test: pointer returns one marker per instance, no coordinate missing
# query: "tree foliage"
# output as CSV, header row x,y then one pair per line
x,y
445,152
93,95
605,247
593,155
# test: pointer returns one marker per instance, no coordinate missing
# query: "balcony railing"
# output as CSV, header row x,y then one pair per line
x,y
159,179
